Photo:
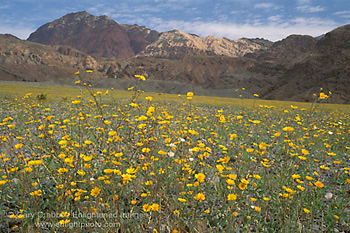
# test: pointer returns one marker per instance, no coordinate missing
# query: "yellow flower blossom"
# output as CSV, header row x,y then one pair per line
x,y
200,197
36,193
319,184
155,207
232,197
146,207
306,210
95,191
200,177
288,129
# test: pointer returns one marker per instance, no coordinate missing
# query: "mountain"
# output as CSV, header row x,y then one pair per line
x,y
178,44
292,47
140,36
27,61
291,69
326,66
98,36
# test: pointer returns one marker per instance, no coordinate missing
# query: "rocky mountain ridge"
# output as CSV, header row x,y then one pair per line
x,y
28,61
100,36
178,44
291,69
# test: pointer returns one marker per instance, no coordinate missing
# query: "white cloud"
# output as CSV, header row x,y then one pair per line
x,y
342,13
275,18
265,6
310,9
234,12
307,7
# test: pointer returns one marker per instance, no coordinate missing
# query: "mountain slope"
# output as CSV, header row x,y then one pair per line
x,y
327,66
178,44
290,48
27,61
140,36
99,36
291,69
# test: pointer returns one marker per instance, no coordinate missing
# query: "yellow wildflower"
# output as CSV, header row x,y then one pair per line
x,y
319,184
200,197
95,191
232,197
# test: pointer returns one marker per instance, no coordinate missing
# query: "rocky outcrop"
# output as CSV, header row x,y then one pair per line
x,y
178,44
27,61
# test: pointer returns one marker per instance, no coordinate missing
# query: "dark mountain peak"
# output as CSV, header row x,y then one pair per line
x,y
341,29
85,16
290,47
295,41
77,15
82,18
337,39
99,36
81,15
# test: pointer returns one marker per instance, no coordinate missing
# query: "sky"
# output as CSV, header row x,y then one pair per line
x,y
233,19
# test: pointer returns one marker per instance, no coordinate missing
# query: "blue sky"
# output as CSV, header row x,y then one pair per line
x,y
269,19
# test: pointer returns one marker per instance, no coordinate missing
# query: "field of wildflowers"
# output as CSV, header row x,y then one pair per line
x,y
97,163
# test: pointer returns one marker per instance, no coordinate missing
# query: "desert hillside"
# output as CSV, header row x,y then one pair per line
x,y
290,69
